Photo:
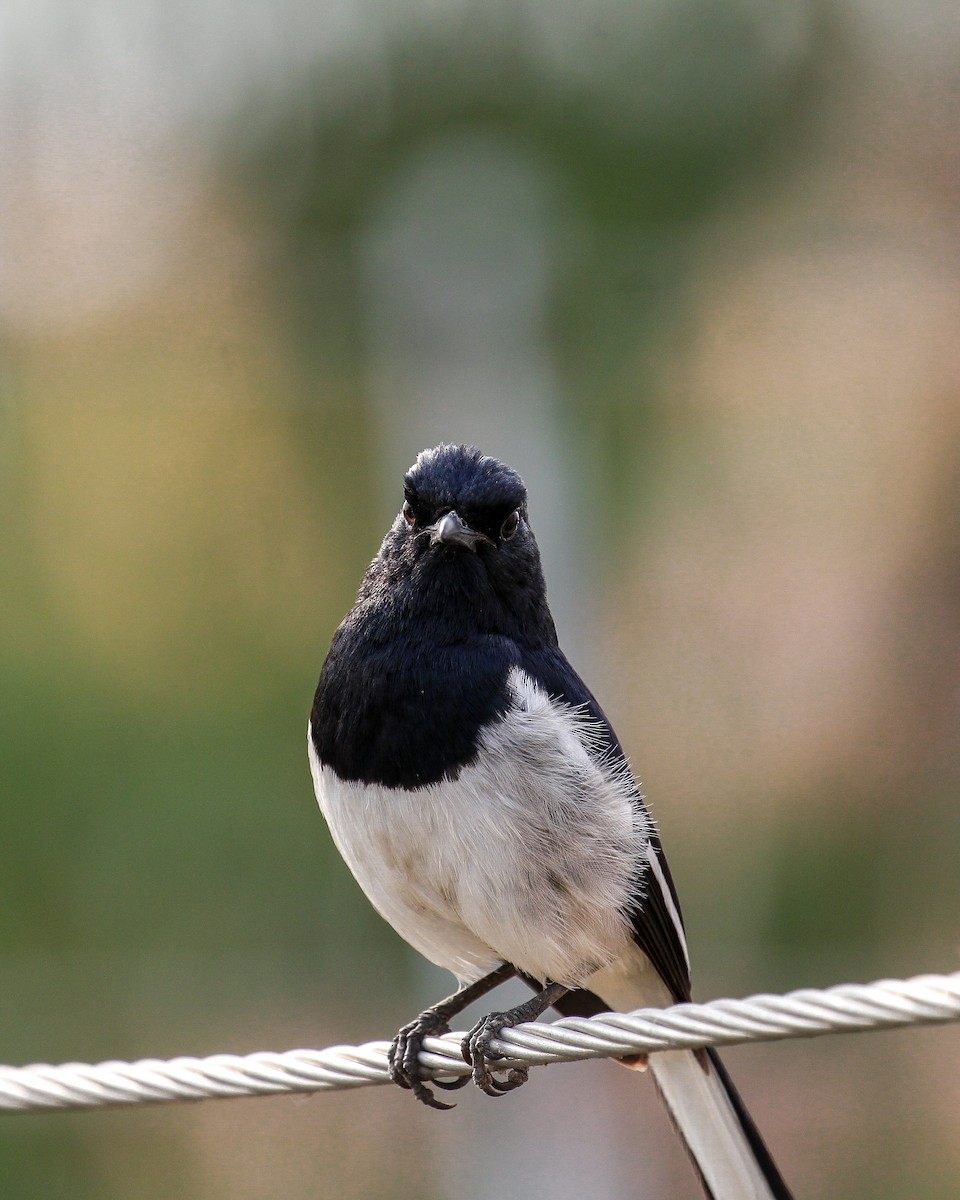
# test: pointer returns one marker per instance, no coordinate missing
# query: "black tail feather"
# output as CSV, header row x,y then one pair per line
x,y
759,1147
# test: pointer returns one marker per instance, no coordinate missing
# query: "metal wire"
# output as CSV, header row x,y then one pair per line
x,y
848,1008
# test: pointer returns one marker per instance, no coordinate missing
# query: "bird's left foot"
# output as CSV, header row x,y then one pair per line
x,y
475,1047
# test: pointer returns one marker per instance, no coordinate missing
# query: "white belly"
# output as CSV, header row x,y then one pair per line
x,y
532,856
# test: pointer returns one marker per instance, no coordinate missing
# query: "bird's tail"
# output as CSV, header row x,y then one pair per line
x,y
719,1134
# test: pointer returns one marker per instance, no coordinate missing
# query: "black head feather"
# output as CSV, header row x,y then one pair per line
x,y
483,490
497,588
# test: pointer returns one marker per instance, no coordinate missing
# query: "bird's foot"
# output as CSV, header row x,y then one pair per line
x,y
476,1049
403,1058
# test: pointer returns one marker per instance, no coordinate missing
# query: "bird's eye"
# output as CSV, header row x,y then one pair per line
x,y
510,526
408,514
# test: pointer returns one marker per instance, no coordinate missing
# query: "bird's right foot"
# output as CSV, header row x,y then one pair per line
x,y
403,1058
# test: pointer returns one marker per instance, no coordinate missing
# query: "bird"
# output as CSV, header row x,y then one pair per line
x,y
485,805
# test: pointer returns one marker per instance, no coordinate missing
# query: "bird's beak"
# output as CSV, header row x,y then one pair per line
x,y
452,530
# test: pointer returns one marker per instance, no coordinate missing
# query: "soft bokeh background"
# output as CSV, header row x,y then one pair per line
x,y
692,267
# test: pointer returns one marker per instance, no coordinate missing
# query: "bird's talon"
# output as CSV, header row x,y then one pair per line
x,y
403,1058
490,1085
475,1049
426,1096
452,1085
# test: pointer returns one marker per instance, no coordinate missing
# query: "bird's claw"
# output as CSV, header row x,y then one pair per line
x,y
475,1049
403,1059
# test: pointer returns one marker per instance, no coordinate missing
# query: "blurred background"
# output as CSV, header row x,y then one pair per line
x,y
692,267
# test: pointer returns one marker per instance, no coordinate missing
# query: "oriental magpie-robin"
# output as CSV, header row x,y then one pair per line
x,y
482,800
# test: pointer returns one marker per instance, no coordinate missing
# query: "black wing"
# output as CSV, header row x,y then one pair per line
x,y
654,928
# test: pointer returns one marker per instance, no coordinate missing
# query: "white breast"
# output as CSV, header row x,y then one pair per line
x,y
533,855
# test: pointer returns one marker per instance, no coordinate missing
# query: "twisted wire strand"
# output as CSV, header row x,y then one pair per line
x,y
809,1012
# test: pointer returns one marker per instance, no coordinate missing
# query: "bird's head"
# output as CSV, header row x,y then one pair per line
x,y
456,497
462,535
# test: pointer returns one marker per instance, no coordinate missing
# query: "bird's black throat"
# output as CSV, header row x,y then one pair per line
x,y
420,663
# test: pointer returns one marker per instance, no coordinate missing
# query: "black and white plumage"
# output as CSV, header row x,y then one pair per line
x,y
482,800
